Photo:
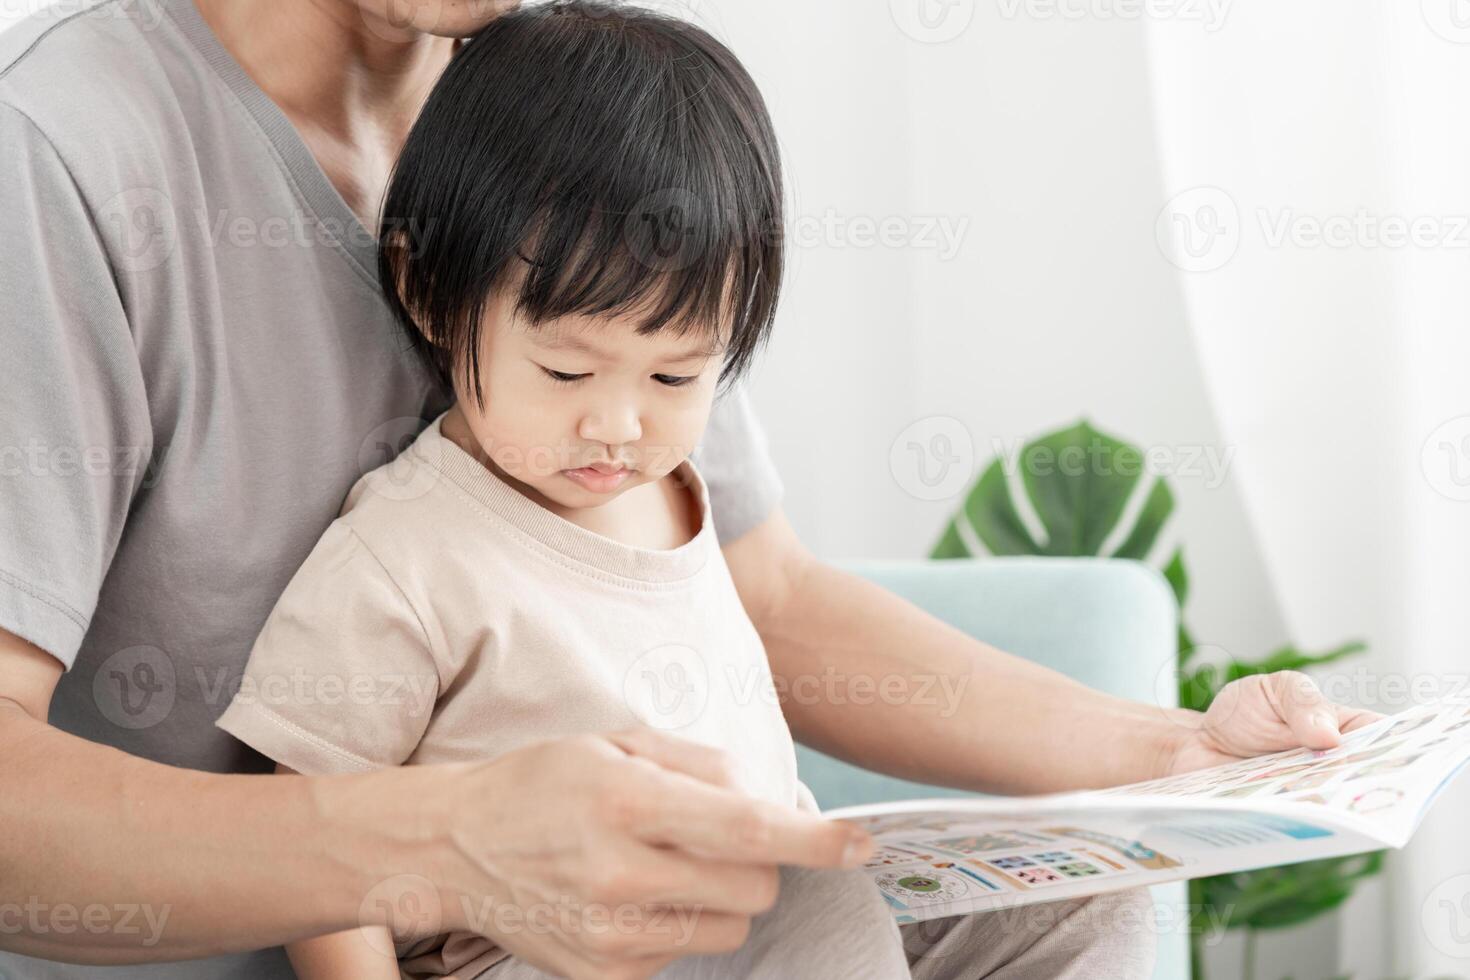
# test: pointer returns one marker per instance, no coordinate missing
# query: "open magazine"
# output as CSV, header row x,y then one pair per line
x,y
950,856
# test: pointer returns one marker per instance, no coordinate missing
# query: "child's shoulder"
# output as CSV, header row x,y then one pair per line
x,y
409,505
408,523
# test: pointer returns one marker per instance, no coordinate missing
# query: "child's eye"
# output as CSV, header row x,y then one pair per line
x,y
562,376
673,380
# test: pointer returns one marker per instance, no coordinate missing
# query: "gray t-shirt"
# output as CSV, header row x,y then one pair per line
x,y
197,368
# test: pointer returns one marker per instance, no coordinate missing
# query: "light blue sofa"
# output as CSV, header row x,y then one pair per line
x,y
1110,624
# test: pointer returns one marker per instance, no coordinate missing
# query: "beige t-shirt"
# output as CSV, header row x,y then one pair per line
x,y
445,617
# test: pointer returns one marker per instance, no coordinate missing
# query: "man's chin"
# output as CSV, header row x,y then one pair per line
x,y
406,20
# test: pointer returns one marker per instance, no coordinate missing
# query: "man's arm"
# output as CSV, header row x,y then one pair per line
x,y
204,864
873,679
365,953
203,859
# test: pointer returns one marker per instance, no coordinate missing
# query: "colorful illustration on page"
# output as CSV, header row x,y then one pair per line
x,y
1056,867
942,884
1135,851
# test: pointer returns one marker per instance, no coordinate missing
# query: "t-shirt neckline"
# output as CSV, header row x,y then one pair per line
x,y
573,540
326,204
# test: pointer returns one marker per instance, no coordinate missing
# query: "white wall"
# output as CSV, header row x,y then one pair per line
x,y
1037,137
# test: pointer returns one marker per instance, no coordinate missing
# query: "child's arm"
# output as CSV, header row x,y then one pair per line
x,y
365,953
353,953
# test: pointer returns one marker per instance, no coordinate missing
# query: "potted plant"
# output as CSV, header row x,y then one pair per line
x,y
1078,482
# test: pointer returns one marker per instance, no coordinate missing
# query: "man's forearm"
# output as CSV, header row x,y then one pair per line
x,y
869,677
107,858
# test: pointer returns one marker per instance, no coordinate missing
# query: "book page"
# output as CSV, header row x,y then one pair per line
x,y
951,856
1381,779
934,863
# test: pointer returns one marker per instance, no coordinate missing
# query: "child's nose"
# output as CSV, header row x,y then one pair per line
x,y
612,425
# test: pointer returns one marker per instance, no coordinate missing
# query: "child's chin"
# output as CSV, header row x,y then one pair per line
x,y
570,493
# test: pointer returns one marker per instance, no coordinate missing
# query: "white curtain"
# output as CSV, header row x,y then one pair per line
x,y
1316,203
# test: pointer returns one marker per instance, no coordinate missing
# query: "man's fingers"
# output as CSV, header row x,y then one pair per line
x,y
662,876
679,754
1351,719
671,809
1313,719
727,826
719,887
710,818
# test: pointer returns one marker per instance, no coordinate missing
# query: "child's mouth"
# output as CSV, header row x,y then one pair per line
x,y
596,481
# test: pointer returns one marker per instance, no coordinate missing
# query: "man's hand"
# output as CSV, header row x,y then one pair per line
x,y
575,836
1261,714
612,856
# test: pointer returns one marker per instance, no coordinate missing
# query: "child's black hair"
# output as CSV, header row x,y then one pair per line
x,y
600,159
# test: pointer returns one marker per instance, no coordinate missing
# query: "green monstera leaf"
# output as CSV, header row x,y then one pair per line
x,y
1078,483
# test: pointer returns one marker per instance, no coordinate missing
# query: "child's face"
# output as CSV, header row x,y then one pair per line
x,y
636,402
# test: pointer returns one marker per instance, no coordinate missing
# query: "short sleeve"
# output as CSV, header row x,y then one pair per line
x,y
75,435
342,677
735,461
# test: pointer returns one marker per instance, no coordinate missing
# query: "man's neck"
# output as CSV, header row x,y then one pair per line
x,y
351,85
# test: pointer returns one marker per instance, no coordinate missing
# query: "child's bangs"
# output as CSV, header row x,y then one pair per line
x,y
670,261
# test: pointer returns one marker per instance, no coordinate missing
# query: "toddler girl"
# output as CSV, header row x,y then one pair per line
x,y
585,243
